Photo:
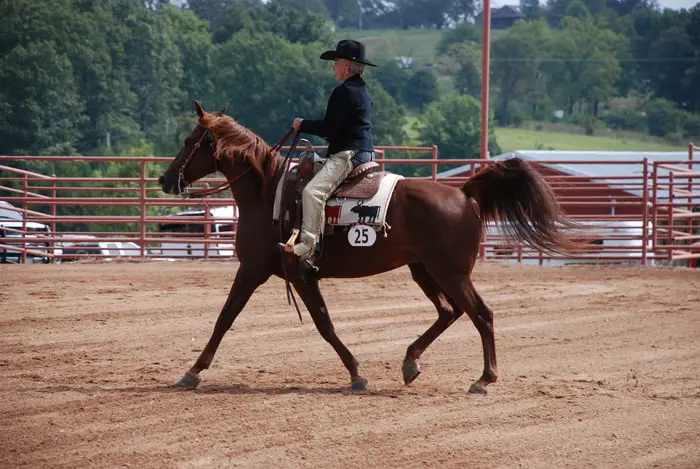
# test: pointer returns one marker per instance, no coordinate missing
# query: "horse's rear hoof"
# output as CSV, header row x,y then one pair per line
x,y
477,388
410,372
358,384
189,381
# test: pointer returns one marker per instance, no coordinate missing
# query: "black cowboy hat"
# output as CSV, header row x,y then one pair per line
x,y
349,50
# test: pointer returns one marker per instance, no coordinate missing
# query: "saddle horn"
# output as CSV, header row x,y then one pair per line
x,y
307,145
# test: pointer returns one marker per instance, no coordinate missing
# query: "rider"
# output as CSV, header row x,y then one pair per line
x,y
347,128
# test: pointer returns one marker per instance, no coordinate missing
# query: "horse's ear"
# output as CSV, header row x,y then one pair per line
x,y
223,110
198,108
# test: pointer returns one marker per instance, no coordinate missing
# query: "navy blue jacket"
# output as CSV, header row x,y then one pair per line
x,y
347,123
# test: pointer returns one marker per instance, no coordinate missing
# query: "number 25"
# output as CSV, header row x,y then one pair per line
x,y
361,236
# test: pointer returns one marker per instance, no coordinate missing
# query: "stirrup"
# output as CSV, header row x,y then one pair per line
x,y
288,247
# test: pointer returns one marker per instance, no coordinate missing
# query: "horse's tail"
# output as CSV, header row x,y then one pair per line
x,y
515,196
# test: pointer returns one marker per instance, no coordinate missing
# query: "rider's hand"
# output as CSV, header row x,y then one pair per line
x,y
297,123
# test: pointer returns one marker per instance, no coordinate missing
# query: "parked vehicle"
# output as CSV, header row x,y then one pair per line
x,y
618,241
99,250
32,234
226,218
9,211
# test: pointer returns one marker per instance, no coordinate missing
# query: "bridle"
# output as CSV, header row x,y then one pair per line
x,y
187,193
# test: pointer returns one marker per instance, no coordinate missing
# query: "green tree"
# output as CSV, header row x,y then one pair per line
x,y
516,65
40,109
454,124
585,63
467,56
392,78
421,89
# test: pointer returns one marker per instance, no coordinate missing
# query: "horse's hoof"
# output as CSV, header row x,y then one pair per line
x,y
410,372
189,381
358,384
477,388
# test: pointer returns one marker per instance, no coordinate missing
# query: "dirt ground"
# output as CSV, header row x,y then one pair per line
x,y
598,367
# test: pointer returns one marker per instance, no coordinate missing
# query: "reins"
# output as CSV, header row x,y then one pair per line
x,y
284,168
227,184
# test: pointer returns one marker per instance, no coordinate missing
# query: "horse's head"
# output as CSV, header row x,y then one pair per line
x,y
196,157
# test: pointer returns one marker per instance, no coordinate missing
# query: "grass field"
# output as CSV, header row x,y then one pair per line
x,y
510,139
383,45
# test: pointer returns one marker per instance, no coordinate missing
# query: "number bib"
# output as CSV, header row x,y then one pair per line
x,y
361,236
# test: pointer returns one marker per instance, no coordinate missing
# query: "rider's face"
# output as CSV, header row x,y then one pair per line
x,y
340,67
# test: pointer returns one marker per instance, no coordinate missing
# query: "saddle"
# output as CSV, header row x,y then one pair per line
x,y
361,183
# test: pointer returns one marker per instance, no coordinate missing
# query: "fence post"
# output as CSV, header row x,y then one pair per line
x,y
53,216
655,209
144,208
645,210
25,193
669,237
691,151
690,223
207,226
435,162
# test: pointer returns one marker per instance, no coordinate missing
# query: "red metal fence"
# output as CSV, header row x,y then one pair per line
x,y
648,216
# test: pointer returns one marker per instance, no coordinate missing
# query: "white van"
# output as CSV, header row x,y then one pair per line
x,y
226,221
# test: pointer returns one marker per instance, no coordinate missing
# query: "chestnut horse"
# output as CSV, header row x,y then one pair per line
x,y
435,230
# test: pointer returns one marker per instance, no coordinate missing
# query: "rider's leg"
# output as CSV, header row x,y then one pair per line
x,y
314,197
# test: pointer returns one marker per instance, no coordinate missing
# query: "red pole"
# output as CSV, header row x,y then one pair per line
x,y
53,216
645,211
691,151
207,227
670,234
24,219
485,68
143,210
435,162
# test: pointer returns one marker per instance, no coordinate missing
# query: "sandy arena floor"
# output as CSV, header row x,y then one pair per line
x,y
598,368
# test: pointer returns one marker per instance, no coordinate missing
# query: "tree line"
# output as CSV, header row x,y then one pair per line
x,y
117,77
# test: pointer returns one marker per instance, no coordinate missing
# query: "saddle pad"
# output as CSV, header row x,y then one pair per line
x,y
278,193
342,211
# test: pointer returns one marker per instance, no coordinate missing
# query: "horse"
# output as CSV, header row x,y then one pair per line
x,y
436,231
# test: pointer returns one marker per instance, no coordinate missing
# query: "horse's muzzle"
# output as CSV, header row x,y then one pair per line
x,y
169,183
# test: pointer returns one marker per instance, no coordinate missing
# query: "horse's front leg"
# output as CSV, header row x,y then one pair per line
x,y
245,283
312,298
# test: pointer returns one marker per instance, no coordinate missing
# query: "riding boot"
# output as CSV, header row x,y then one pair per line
x,y
314,197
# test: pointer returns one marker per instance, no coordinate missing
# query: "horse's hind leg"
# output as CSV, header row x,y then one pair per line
x,y
448,313
312,298
460,288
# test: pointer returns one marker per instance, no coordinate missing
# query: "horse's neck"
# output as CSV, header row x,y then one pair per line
x,y
251,192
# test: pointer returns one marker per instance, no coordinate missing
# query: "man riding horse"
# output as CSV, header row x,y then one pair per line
x,y
347,128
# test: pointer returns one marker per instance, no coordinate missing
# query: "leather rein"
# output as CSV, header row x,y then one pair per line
x,y
186,193
227,184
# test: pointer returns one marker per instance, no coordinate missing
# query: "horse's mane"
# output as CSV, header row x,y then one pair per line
x,y
233,140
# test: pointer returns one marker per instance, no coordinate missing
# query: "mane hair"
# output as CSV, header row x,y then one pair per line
x,y
234,140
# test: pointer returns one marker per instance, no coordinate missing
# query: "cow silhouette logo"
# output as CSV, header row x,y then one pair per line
x,y
333,214
366,213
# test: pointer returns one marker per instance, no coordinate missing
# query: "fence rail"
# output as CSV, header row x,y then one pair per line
x,y
649,216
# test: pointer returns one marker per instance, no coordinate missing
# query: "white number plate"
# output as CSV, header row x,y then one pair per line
x,y
362,235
